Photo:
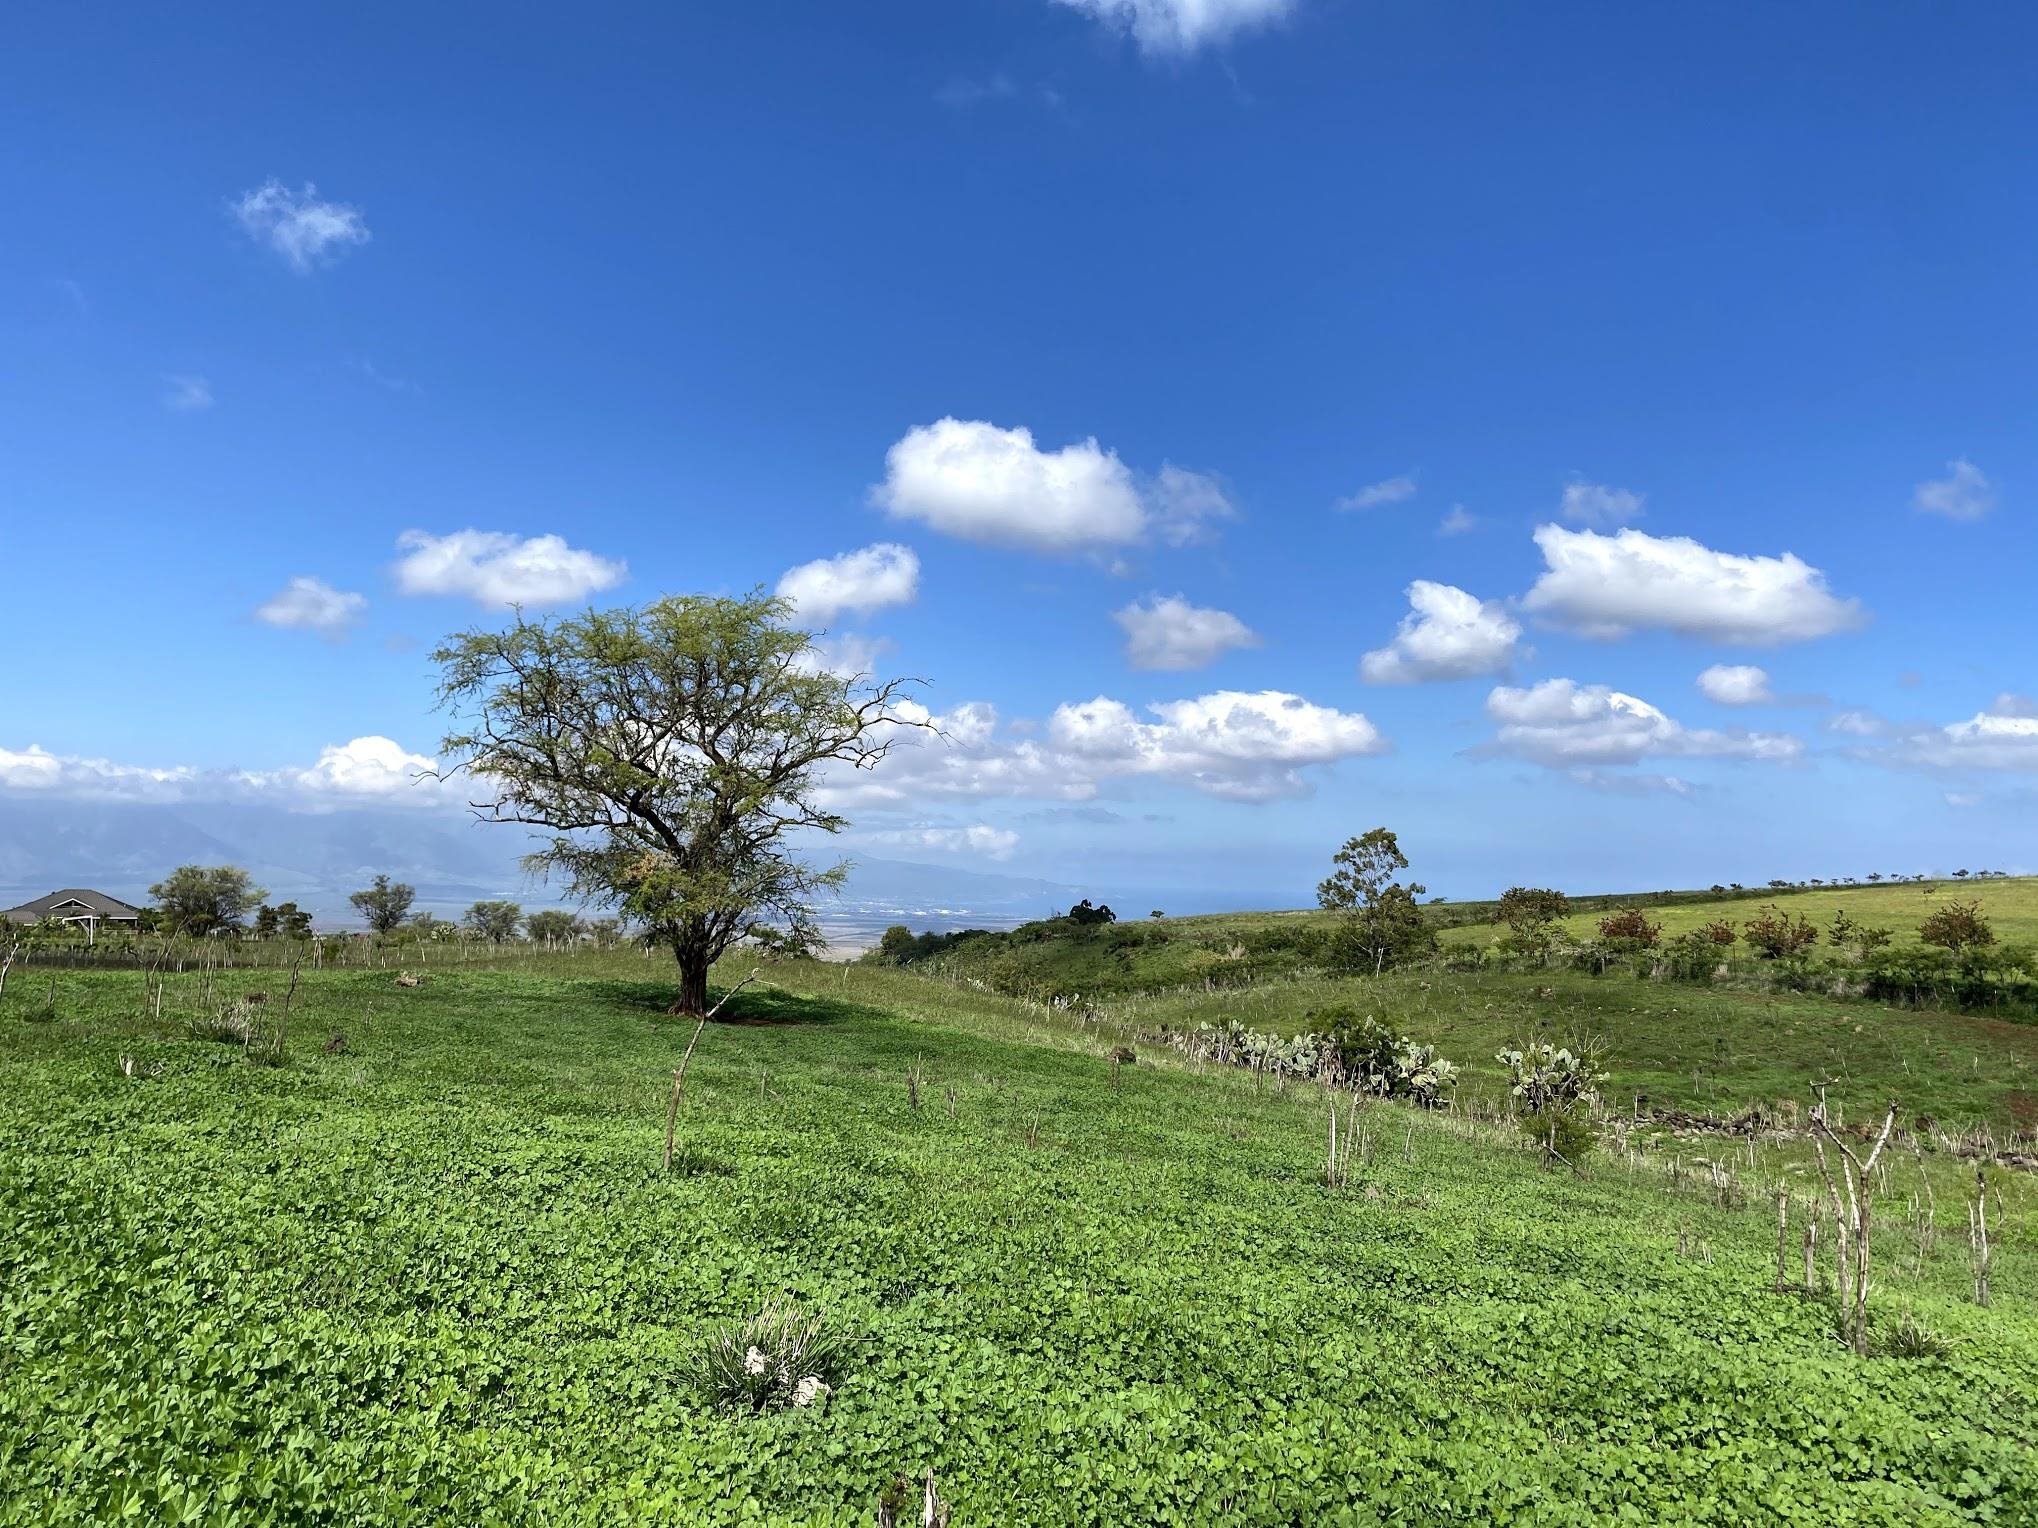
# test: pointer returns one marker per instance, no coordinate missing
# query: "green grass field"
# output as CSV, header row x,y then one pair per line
x,y
441,1276
2011,905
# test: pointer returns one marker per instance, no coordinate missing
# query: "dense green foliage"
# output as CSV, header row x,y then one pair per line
x,y
438,1274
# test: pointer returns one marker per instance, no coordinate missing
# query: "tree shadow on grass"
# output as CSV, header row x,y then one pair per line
x,y
755,1006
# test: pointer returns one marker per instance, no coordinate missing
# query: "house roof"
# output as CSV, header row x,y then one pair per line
x,y
75,902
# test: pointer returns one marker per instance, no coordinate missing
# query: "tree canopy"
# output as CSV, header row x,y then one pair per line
x,y
206,899
385,904
672,752
1382,923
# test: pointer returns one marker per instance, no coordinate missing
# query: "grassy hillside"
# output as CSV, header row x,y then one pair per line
x,y
2010,904
440,1275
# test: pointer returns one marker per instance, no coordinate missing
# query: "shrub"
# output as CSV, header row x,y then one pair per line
x,y
1566,1133
1777,935
1719,932
1630,929
1085,915
1544,1078
777,1358
1694,956
1957,926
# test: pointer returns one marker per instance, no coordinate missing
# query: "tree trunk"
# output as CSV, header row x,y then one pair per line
x,y
693,982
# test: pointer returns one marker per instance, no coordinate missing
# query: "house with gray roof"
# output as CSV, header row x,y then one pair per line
x,y
76,905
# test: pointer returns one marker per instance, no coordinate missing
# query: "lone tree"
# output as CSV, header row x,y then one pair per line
x,y
497,922
1383,925
286,920
672,752
206,899
385,904
553,926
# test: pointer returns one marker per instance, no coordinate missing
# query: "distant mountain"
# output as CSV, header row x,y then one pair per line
x,y
312,858
317,858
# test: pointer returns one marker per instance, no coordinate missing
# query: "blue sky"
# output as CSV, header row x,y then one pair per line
x,y
1565,311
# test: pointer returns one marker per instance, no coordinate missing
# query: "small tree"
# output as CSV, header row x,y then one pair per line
x,y
895,946
1382,923
1630,929
1531,914
384,905
1086,915
675,753
552,926
199,900
496,922
1777,935
1957,926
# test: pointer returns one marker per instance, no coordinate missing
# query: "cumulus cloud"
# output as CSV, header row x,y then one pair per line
x,y
1244,746
1566,725
1387,491
971,479
1170,633
1240,746
1447,634
37,770
1736,684
1173,28
1965,493
302,227
1596,504
1994,740
1608,586
978,838
500,569
312,604
186,394
862,581
367,769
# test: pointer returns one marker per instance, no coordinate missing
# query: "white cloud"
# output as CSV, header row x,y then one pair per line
x,y
499,569
1856,723
1177,27
367,769
979,838
1566,725
1609,586
1182,504
1247,747
970,479
1447,634
311,604
1736,684
1989,740
863,581
298,225
186,394
1229,743
1596,504
1457,522
1963,494
36,769
1962,798
1392,490
974,480
1170,633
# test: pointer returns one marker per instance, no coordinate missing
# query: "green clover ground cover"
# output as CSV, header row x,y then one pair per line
x,y
441,1277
